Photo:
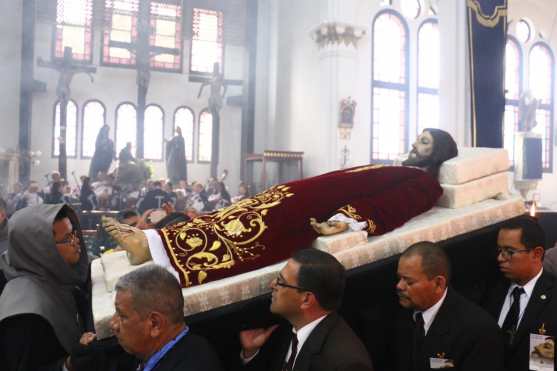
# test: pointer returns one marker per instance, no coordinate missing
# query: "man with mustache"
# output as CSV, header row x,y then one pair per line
x,y
438,326
267,228
525,302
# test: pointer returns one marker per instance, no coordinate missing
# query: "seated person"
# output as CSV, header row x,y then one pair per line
x,y
149,323
270,226
45,306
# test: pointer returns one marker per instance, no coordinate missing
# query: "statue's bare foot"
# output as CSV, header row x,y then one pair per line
x,y
328,228
129,238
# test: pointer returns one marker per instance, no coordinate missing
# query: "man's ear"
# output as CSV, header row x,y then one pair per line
x,y
538,252
157,322
309,300
441,282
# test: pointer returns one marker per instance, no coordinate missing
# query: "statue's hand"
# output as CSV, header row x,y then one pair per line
x,y
131,239
328,228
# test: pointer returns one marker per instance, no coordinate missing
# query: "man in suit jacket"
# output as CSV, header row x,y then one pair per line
x,y
441,328
149,323
307,292
526,301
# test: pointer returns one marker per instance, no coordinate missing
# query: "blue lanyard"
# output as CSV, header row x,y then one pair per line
x,y
155,358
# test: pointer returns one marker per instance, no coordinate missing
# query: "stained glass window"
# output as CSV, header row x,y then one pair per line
x,y
389,86
205,137
93,120
207,45
126,124
153,132
74,28
121,22
166,23
183,117
71,129
120,25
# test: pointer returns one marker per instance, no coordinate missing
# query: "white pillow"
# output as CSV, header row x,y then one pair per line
x,y
460,195
473,163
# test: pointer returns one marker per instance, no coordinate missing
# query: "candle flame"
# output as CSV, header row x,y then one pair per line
x,y
533,210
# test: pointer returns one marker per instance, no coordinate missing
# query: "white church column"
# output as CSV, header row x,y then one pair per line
x,y
337,38
454,86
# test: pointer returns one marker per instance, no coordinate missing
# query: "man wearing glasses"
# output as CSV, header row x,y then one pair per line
x,y
307,292
525,303
44,308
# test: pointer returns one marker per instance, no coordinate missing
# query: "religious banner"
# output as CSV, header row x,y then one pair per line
x,y
487,32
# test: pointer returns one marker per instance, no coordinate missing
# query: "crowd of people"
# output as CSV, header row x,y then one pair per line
x,y
104,194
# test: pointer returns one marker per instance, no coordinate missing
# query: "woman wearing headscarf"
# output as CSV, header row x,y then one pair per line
x,y
45,307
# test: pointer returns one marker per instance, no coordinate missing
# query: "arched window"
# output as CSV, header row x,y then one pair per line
x,y
71,130
205,140
428,75
153,132
541,79
126,126
94,117
74,28
389,86
184,118
513,87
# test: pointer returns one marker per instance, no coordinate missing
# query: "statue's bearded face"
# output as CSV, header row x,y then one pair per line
x,y
422,150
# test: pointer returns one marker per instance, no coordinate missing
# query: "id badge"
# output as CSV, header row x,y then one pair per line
x,y
440,363
542,352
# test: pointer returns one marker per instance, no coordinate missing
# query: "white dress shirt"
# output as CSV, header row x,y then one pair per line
x,y
524,299
430,313
302,334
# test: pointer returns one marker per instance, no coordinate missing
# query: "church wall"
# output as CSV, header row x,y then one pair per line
x,y
115,85
10,64
542,14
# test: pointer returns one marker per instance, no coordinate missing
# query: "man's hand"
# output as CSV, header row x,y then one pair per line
x,y
87,338
254,339
328,228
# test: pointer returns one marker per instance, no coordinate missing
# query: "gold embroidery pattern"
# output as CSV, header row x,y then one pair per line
x,y
364,168
351,212
485,20
218,240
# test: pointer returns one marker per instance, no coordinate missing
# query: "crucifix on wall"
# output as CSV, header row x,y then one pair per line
x,y
67,68
143,52
218,89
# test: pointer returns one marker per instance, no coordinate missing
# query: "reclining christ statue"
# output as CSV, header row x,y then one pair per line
x,y
269,227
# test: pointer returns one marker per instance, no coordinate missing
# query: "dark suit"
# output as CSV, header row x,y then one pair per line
x,y
541,309
191,353
332,345
461,331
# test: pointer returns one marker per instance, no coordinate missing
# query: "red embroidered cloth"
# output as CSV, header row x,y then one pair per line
x,y
270,226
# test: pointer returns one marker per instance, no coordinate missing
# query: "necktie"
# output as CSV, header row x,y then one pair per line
x,y
294,350
419,336
511,321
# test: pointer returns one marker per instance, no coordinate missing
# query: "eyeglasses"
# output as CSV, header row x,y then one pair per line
x,y
279,281
508,253
70,239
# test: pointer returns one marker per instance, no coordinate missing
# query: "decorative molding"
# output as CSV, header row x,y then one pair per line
x,y
337,33
487,20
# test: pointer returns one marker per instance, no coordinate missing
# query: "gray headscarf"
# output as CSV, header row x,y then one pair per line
x,y
39,280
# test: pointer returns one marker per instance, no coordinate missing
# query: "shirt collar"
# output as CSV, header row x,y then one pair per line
x,y
529,286
430,313
303,333
155,358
